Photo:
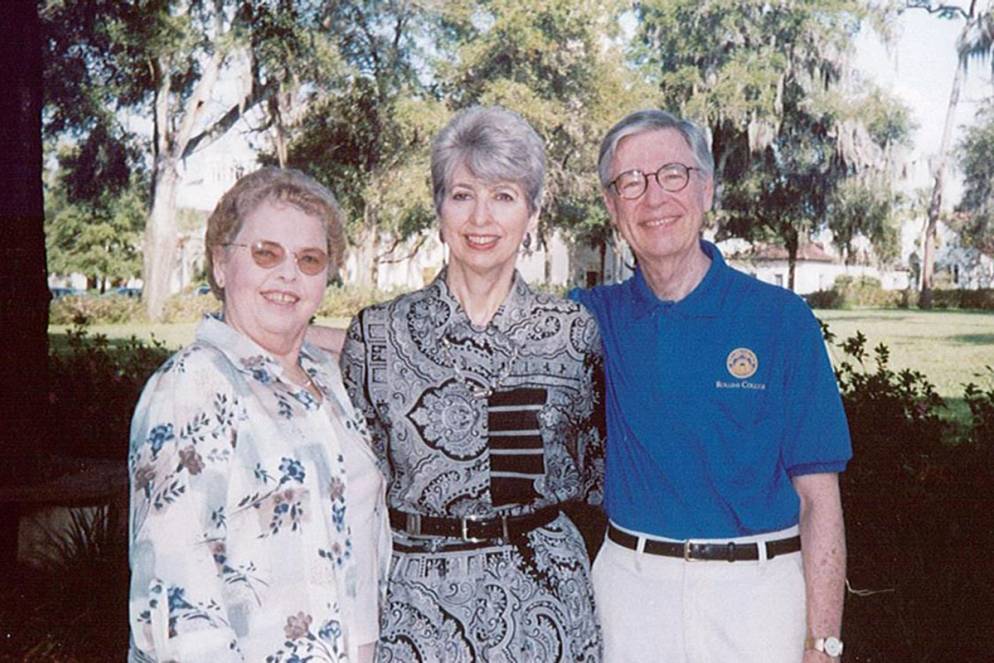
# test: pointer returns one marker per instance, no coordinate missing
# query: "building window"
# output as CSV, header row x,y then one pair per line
x,y
778,279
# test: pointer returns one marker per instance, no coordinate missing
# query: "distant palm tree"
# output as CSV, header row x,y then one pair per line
x,y
975,42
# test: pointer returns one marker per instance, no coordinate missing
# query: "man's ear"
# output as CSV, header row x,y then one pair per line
x,y
610,204
708,194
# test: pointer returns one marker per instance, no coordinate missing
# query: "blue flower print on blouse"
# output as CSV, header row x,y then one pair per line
x,y
240,548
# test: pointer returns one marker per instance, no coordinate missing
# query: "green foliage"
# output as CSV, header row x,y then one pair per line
x,y
94,389
893,411
366,134
74,607
345,302
977,204
859,292
559,64
87,309
100,240
865,207
192,68
980,399
955,298
918,510
769,81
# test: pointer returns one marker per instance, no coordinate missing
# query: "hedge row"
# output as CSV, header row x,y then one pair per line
x,y
338,302
866,292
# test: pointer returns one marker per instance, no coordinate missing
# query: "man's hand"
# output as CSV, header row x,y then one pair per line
x,y
329,339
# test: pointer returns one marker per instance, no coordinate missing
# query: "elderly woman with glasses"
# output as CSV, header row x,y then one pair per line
x,y
481,401
258,527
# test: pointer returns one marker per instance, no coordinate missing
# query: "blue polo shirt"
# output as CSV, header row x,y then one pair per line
x,y
713,403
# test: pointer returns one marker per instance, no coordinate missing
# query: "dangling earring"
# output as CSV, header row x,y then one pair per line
x,y
526,243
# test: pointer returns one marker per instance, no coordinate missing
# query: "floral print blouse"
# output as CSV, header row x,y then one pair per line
x,y
240,539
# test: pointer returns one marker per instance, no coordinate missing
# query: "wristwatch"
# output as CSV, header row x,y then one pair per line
x,y
830,645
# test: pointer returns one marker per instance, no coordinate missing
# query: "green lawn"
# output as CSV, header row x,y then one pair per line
x,y
949,347
173,335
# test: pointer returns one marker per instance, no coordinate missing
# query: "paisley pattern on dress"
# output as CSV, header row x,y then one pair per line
x,y
531,437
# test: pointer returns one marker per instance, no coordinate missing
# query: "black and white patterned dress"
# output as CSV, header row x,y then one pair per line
x,y
419,371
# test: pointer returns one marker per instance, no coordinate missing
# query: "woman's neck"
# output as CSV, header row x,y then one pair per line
x,y
480,295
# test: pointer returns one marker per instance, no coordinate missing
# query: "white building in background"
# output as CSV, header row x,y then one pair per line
x,y
816,268
956,265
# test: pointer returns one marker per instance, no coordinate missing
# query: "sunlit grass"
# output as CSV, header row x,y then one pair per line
x,y
174,335
949,347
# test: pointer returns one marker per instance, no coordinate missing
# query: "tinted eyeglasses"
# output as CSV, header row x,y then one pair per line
x,y
268,254
671,177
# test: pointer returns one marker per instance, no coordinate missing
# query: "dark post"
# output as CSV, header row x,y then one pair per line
x,y
23,278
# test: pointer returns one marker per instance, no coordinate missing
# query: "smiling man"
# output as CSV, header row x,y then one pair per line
x,y
726,432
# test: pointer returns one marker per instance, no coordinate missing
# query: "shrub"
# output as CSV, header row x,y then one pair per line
x,y
346,301
919,513
74,607
94,389
896,410
87,309
981,404
982,299
829,299
190,307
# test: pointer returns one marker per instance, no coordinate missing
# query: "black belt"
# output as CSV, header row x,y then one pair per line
x,y
473,529
690,551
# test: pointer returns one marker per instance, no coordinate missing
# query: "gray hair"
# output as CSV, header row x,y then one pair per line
x,y
650,120
494,144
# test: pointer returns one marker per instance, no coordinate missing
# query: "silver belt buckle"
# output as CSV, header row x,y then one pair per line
x,y
464,523
413,524
686,552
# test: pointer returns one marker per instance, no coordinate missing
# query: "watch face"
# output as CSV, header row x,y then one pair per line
x,y
833,646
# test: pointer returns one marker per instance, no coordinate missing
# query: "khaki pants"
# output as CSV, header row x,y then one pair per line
x,y
656,609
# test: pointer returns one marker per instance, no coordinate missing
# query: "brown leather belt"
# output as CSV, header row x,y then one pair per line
x,y
691,551
472,528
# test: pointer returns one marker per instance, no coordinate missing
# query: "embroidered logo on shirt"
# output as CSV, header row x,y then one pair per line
x,y
742,363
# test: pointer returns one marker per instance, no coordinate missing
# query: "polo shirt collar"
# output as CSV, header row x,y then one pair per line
x,y
702,301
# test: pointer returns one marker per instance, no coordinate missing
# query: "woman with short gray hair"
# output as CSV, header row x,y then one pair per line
x,y
480,398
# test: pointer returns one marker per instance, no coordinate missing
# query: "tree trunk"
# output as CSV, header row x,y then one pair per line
x,y
939,180
24,291
366,250
159,246
792,245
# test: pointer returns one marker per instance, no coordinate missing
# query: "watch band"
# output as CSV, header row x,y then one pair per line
x,y
830,645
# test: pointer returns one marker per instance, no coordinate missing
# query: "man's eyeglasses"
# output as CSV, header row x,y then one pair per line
x,y
672,177
268,254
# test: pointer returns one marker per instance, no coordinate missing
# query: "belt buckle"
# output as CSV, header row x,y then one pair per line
x,y
464,524
686,552
413,524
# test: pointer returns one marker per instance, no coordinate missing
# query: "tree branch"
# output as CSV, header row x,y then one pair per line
x,y
382,257
946,11
258,93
